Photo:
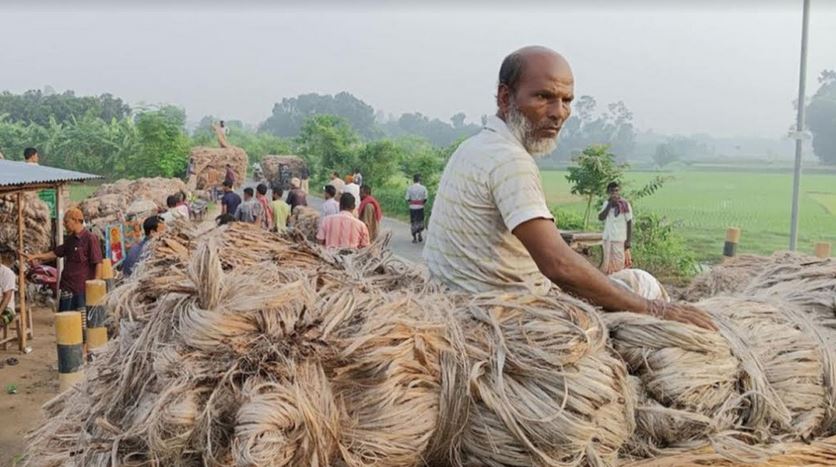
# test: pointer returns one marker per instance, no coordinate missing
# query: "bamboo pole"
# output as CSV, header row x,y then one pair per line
x,y
23,322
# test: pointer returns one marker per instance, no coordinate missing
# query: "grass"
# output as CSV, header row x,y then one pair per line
x,y
80,191
704,203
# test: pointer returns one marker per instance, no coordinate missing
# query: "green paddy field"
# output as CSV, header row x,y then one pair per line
x,y
704,203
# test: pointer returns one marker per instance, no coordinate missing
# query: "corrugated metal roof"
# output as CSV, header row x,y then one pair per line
x,y
14,173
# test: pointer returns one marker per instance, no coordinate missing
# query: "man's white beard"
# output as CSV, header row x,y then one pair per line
x,y
522,128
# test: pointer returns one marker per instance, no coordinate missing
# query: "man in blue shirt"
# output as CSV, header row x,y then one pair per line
x,y
153,227
230,200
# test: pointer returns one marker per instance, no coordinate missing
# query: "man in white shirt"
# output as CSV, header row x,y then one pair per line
x,y
352,188
337,183
617,215
416,196
330,206
491,228
8,285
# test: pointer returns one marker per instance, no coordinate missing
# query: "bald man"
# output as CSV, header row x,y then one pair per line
x,y
82,255
490,226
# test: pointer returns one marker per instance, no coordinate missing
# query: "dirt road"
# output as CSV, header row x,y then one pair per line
x,y
36,378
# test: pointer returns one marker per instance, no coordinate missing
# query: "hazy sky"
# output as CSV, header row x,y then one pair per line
x,y
725,70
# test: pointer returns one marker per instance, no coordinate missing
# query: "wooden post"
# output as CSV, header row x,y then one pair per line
x,y
107,273
823,249
732,239
59,238
94,295
23,321
68,337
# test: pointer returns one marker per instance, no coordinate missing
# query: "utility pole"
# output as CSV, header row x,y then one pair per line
x,y
799,126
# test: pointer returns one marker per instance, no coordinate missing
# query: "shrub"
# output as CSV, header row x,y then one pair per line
x,y
660,250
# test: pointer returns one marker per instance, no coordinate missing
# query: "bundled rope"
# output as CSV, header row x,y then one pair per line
x,y
736,273
764,377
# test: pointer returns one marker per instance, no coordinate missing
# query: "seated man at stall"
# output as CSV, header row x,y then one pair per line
x,y
8,285
153,226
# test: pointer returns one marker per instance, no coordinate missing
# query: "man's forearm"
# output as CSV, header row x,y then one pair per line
x,y
577,276
45,256
603,214
7,297
98,270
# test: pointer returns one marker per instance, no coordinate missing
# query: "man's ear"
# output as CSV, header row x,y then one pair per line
x,y
503,98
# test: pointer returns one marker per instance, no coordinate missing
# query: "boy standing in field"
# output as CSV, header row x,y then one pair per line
x,y
617,215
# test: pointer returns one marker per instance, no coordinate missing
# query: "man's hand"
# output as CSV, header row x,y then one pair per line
x,y
682,313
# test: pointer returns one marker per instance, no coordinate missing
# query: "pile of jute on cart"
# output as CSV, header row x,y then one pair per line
x,y
253,349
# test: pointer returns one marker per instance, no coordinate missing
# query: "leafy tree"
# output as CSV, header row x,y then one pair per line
x,y
164,146
458,120
821,118
594,168
664,155
37,107
328,143
290,114
378,161
588,127
434,130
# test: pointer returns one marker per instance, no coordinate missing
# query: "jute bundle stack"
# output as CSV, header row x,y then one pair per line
x,y
37,228
306,220
334,361
819,453
810,284
210,165
111,199
766,376
278,170
736,273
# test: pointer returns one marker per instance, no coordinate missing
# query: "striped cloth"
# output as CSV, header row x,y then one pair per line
x,y
490,186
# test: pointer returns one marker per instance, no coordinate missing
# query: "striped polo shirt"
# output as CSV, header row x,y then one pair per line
x,y
490,185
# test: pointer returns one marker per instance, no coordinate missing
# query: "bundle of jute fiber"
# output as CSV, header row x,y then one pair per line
x,y
210,165
817,453
306,220
810,284
278,170
544,387
112,198
759,379
736,273
37,228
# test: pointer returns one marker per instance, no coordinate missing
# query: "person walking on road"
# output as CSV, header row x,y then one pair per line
x,y
230,200
416,197
352,188
266,208
370,212
330,206
281,211
304,177
250,209
617,215
337,183
296,197
82,255
491,228
343,230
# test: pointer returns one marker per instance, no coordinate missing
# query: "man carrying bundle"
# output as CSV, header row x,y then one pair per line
x,y
491,228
